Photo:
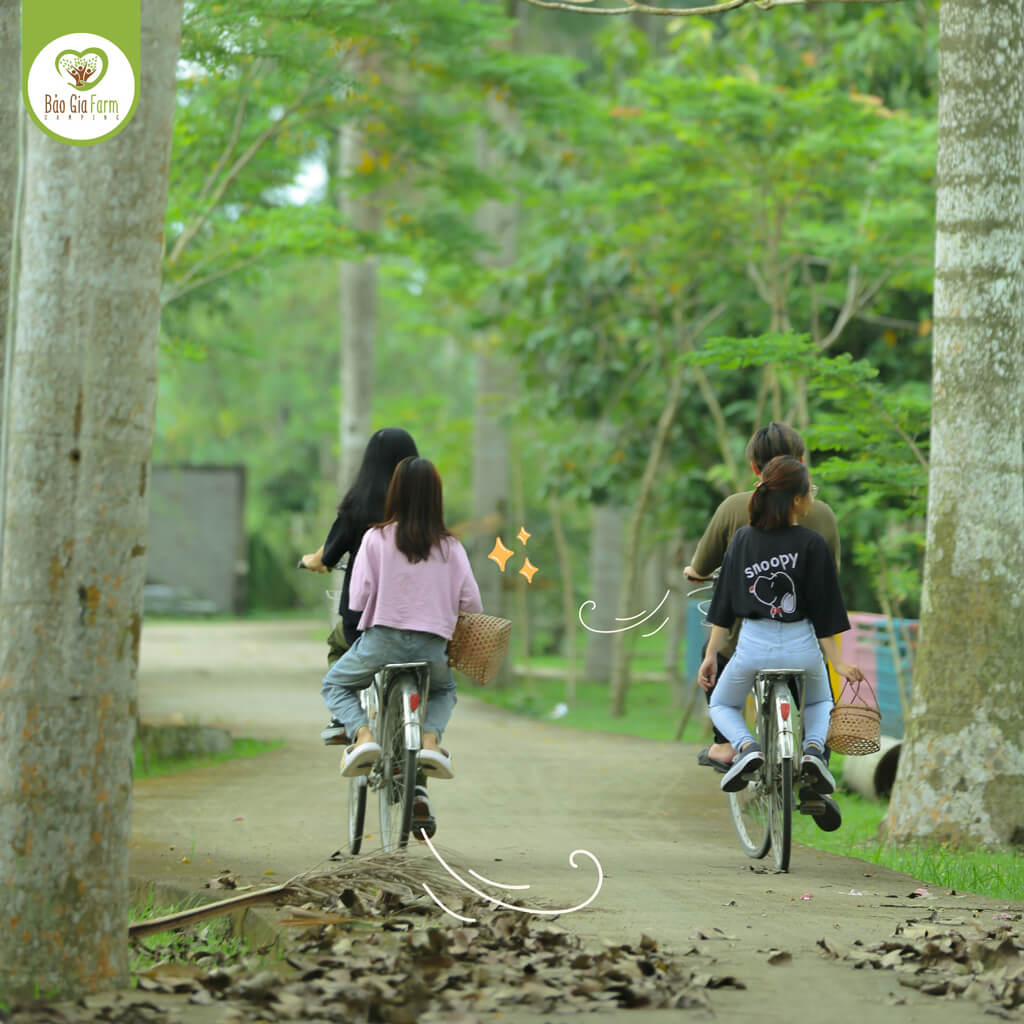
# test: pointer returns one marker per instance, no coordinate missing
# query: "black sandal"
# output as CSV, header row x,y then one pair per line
x,y
422,818
705,760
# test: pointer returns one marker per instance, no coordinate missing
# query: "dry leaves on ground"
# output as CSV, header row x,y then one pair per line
x,y
943,957
368,943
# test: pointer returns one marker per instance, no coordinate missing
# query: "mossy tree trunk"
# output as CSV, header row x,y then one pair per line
x,y
961,772
83,388
10,88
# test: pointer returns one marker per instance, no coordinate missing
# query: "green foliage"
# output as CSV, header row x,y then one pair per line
x,y
712,177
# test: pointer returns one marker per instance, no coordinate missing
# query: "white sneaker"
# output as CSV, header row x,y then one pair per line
x,y
359,759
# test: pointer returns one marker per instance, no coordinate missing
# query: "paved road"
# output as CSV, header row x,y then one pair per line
x,y
527,794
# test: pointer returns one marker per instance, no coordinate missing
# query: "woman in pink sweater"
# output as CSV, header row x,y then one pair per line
x,y
410,580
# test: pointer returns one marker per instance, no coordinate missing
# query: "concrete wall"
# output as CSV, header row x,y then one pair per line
x,y
198,553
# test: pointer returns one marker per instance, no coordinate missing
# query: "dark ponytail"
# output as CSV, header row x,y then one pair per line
x,y
782,480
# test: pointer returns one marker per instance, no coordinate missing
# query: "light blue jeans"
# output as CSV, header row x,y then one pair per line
x,y
380,646
766,644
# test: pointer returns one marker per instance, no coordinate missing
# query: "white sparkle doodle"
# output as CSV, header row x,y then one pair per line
x,y
501,903
646,615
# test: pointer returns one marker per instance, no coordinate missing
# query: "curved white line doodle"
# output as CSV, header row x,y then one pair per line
x,y
653,631
458,917
502,903
630,618
646,615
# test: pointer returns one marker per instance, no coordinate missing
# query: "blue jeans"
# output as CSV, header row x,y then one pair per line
x,y
380,646
766,644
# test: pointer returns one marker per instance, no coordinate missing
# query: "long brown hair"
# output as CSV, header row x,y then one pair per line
x,y
782,480
415,505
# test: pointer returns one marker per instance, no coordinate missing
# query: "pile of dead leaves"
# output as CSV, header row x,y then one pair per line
x,y
945,957
504,960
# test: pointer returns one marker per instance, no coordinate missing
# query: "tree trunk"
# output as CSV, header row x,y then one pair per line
x,y
82,400
11,118
961,771
631,549
568,598
606,532
358,308
490,481
499,222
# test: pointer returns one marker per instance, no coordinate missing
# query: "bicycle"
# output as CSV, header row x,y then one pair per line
x,y
762,812
394,704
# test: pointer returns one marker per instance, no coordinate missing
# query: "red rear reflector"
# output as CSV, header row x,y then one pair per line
x,y
784,709
414,701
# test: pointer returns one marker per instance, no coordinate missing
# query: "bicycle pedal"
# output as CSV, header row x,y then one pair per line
x,y
810,802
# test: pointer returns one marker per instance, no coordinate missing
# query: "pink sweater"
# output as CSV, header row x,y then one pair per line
x,y
392,591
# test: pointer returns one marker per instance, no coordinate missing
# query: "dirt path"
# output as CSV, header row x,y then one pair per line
x,y
527,794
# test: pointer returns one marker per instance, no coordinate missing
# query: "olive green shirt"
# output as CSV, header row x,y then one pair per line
x,y
729,517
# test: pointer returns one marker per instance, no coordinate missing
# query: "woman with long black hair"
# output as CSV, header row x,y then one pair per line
x,y
362,505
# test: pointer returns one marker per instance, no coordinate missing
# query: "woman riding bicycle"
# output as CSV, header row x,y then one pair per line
x,y
410,580
778,578
362,505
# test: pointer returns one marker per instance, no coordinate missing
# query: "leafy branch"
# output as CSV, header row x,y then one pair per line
x,y
634,7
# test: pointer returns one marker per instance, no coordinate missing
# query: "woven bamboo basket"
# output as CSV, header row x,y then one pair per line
x,y
479,645
855,724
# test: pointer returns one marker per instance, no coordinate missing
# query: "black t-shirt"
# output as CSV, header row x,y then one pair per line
x,y
344,538
785,575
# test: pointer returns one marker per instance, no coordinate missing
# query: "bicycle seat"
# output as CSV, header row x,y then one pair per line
x,y
406,664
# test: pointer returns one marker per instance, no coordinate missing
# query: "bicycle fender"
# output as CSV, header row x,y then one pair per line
x,y
784,724
411,718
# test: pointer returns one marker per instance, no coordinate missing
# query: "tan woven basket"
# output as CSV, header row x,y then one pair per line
x,y
479,646
855,725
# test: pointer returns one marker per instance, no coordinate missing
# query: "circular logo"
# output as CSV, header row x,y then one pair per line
x,y
81,87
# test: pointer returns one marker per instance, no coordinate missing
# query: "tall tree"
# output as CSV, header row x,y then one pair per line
x,y
10,86
961,775
83,388
357,295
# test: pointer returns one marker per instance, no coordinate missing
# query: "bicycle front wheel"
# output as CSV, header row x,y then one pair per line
x,y
778,775
750,807
751,817
398,776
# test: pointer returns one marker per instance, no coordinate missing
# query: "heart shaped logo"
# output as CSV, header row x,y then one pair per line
x,y
83,69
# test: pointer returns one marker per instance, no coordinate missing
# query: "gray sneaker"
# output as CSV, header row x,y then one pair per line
x,y
814,772
745,766
334,733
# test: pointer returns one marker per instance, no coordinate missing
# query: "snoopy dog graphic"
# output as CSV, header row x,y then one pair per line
x,y
777,591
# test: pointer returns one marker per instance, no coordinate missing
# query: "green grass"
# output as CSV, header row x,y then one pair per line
x,y
168,766
650,714
211,941
995,873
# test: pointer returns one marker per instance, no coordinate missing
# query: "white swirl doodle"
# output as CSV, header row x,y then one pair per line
x,y
646,615
501,903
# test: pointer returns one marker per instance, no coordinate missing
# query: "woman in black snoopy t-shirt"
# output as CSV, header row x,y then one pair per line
x,y
778,577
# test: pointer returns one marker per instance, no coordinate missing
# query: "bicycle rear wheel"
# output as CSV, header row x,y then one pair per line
x,y
398,775
356,813
750,807
778,773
